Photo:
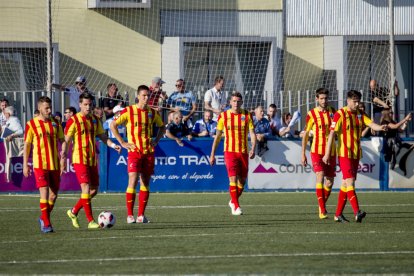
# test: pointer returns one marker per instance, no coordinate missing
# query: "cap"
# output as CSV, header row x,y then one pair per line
x,y
57,113
118,108
80,79
157,80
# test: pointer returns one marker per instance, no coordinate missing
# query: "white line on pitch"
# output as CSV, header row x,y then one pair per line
x,y
264,255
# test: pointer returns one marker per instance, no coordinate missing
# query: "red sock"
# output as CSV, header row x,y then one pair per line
x,y
130,200
87,206
77,207
240,189
326,193
44,209
341,201
321,198
143,200
234,194
353,199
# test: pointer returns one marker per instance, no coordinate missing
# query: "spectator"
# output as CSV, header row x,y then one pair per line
x,y
274,120
98,112
177,130
69,112
107,124
111,100
3,104
288,123
183,101
379,99
75,91
205,127
262,130
58,117
13,127
365,130
36,113
214,99
156,93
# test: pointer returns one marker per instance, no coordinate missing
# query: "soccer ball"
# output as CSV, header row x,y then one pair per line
x,y
106,219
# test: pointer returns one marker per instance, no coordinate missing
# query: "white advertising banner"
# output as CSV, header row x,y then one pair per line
x,y
280,168
402,176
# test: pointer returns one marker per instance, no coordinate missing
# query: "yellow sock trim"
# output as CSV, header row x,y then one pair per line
x,y
351,188
240,186
328,189
233,184
343,189
85,196
319,185
131,191
51,202
144,188
43,200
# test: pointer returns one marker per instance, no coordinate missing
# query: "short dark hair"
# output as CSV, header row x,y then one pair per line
x,y
273,106
36,111
182,80
237,94
44,99
86,95
4,100
218,79
354,94
141,88
71,109
321,91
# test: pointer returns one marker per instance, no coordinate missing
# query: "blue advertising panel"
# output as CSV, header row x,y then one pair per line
x,y
177,169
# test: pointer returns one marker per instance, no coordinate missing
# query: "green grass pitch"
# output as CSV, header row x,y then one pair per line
x,y
279,233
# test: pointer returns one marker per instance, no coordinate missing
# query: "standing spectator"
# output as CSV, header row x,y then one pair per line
x,y
3,104
156,93
215,99
13,128
75,91
349,151
177,130
107,124
69,112
366,131
205,127
318,120
274,119
58,117
262,130
43,133
236,123
183,101
379,97
111,100
83,128
140,148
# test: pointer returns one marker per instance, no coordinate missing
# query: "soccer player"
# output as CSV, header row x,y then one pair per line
x,y
236,123
139,120
43,132
82,128
318,120
347,124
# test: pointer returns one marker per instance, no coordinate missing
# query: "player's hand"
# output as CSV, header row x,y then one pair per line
x,y
189,137
26,171
179,142
128,146
304,160
118,148
325,159
384,127
62,166
212,160
252,154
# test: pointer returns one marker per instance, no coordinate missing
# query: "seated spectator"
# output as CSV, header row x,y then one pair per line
x,y
69,112
121,128
177,130
288,124
111,100
13,128
274,120
262,130
205,127
3,104
184,101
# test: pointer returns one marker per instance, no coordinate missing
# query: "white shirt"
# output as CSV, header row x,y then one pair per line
x,y
217,100
2,119
14,125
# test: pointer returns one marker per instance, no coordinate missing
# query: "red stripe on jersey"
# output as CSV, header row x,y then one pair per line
x,y
53,142
358,132
68,124
46,144
344,134
86,126
131,117
316,134
352,121
39,157
323,130
226,129
140,130
79,137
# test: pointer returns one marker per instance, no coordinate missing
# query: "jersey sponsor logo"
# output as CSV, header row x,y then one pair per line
x,y
243,118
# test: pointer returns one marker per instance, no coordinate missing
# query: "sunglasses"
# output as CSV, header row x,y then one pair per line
x,y
179,85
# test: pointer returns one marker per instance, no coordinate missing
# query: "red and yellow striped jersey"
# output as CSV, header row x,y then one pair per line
x,y
236,128
319,122
83,130
139,123
44,135
348,127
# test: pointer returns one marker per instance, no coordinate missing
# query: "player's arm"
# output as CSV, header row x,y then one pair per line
x,y
305,140
380,102
160,133
329,145
118,137
216,142
400,123
26,152
108,142
253,140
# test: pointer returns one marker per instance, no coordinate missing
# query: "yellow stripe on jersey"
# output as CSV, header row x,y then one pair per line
x,y
319,122
44,136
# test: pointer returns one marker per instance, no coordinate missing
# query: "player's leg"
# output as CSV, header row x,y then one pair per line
x,y
345,166
73,213
42,183
131,193
146,169
330,173
352,197
54,185
318,168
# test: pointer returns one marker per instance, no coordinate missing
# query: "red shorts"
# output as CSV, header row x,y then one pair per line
x,y
87,174
237,164
47,178
141,163
319,166
349,167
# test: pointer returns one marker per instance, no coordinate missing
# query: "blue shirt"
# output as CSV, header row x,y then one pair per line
x,y
184,101
262,126
201,126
